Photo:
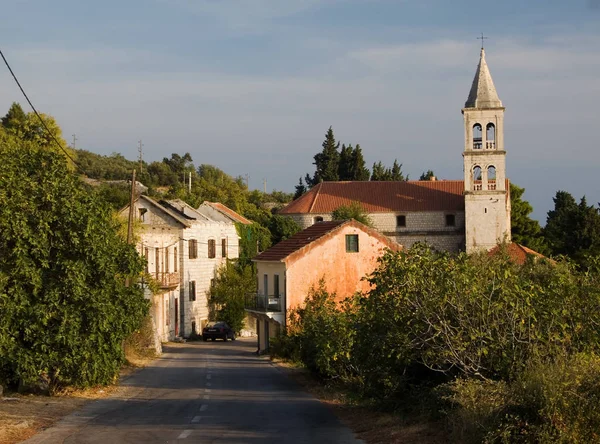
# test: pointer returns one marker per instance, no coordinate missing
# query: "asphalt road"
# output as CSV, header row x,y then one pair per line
x,y
204,393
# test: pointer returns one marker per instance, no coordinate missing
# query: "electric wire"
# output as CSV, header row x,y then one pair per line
x,y
38,115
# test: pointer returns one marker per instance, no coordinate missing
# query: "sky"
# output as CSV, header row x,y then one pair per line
x,y
251,86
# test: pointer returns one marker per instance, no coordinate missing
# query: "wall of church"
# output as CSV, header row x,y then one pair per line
x,y
427,227
489,220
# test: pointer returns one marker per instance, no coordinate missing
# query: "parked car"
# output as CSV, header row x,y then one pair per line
x,y
218,330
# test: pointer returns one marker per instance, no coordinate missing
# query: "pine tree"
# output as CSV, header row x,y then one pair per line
x,y
345,165
428,175
300,189
327,161
359,169
378,173
524,230
396,172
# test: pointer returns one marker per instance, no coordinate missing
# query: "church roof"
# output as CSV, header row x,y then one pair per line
x,y
382,197
483,93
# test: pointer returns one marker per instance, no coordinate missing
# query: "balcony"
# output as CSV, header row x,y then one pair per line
x,y
263,303
167,280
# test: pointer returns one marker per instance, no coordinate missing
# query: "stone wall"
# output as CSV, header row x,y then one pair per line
x,y
427,227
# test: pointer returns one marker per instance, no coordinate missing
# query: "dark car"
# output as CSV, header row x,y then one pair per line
x,y
218,330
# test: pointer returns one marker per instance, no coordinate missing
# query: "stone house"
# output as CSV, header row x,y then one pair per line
x,y
340,252
183,248
452,215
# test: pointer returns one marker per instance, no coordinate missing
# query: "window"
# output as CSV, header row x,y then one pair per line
x,y
450,220
352,243
212,250
212,283
193,246
276,285
167,313
318,219
175,259
142,212
223,247
147,258
401,221
192,290
167,260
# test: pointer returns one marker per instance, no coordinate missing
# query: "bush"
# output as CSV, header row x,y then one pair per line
x,y
552,401
320,335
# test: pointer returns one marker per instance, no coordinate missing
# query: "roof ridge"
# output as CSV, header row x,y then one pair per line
x,y
315,197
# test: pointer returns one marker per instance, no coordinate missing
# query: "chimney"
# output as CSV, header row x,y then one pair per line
x,y
432,178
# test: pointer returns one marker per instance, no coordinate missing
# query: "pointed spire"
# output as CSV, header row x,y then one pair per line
x,y
483,93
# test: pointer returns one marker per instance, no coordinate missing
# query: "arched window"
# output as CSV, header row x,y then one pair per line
x,y
490,136
318,219
477,136
477,178
491,177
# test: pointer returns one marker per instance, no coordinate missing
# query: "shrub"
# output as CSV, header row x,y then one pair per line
x,y
551,401
320,335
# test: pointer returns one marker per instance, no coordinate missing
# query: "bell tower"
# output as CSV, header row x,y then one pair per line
x,y
487,199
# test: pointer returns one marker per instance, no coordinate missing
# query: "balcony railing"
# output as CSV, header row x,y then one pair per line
x,y
491,184
167,280
261,302
477,185
490,145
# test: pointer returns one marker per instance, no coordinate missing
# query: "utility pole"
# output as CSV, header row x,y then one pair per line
x,y
247,179
265,185
74,140
140,145
131,200
190,184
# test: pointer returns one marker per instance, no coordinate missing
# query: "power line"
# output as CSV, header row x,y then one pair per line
x,y
38,115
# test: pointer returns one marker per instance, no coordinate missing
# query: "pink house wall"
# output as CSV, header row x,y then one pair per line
x,y
328,258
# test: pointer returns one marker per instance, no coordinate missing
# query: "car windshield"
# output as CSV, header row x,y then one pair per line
x,y
218,324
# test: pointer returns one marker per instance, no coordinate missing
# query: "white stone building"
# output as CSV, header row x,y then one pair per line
x,y
183,247
451,215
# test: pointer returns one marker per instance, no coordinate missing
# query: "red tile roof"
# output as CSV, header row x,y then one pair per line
x,y
229,212
382,197
294,244
517,252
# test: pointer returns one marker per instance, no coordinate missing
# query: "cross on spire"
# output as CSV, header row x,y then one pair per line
x,y
482,38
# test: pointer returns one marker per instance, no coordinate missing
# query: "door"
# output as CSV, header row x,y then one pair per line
x,y
267,335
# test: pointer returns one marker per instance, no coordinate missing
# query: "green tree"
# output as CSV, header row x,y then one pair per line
x,y
379,173
65,307
14,121
358,168
345,163
300,189
226,297
327,161
282,227
396,172
427,175
573,229
524,230
353,211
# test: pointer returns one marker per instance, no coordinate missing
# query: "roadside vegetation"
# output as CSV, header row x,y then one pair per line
x,y
64,303
500,352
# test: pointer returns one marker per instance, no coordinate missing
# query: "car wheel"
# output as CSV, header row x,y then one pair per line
x,y
225,338
213,338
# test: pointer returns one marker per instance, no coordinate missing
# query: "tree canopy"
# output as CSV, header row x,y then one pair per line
x,y
64,303
353,211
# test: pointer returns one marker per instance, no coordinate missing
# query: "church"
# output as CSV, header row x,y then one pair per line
x,y
469,215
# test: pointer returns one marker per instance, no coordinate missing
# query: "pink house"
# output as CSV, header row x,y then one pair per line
x,y
341,252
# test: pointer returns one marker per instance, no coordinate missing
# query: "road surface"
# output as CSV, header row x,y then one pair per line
x,y
215,392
